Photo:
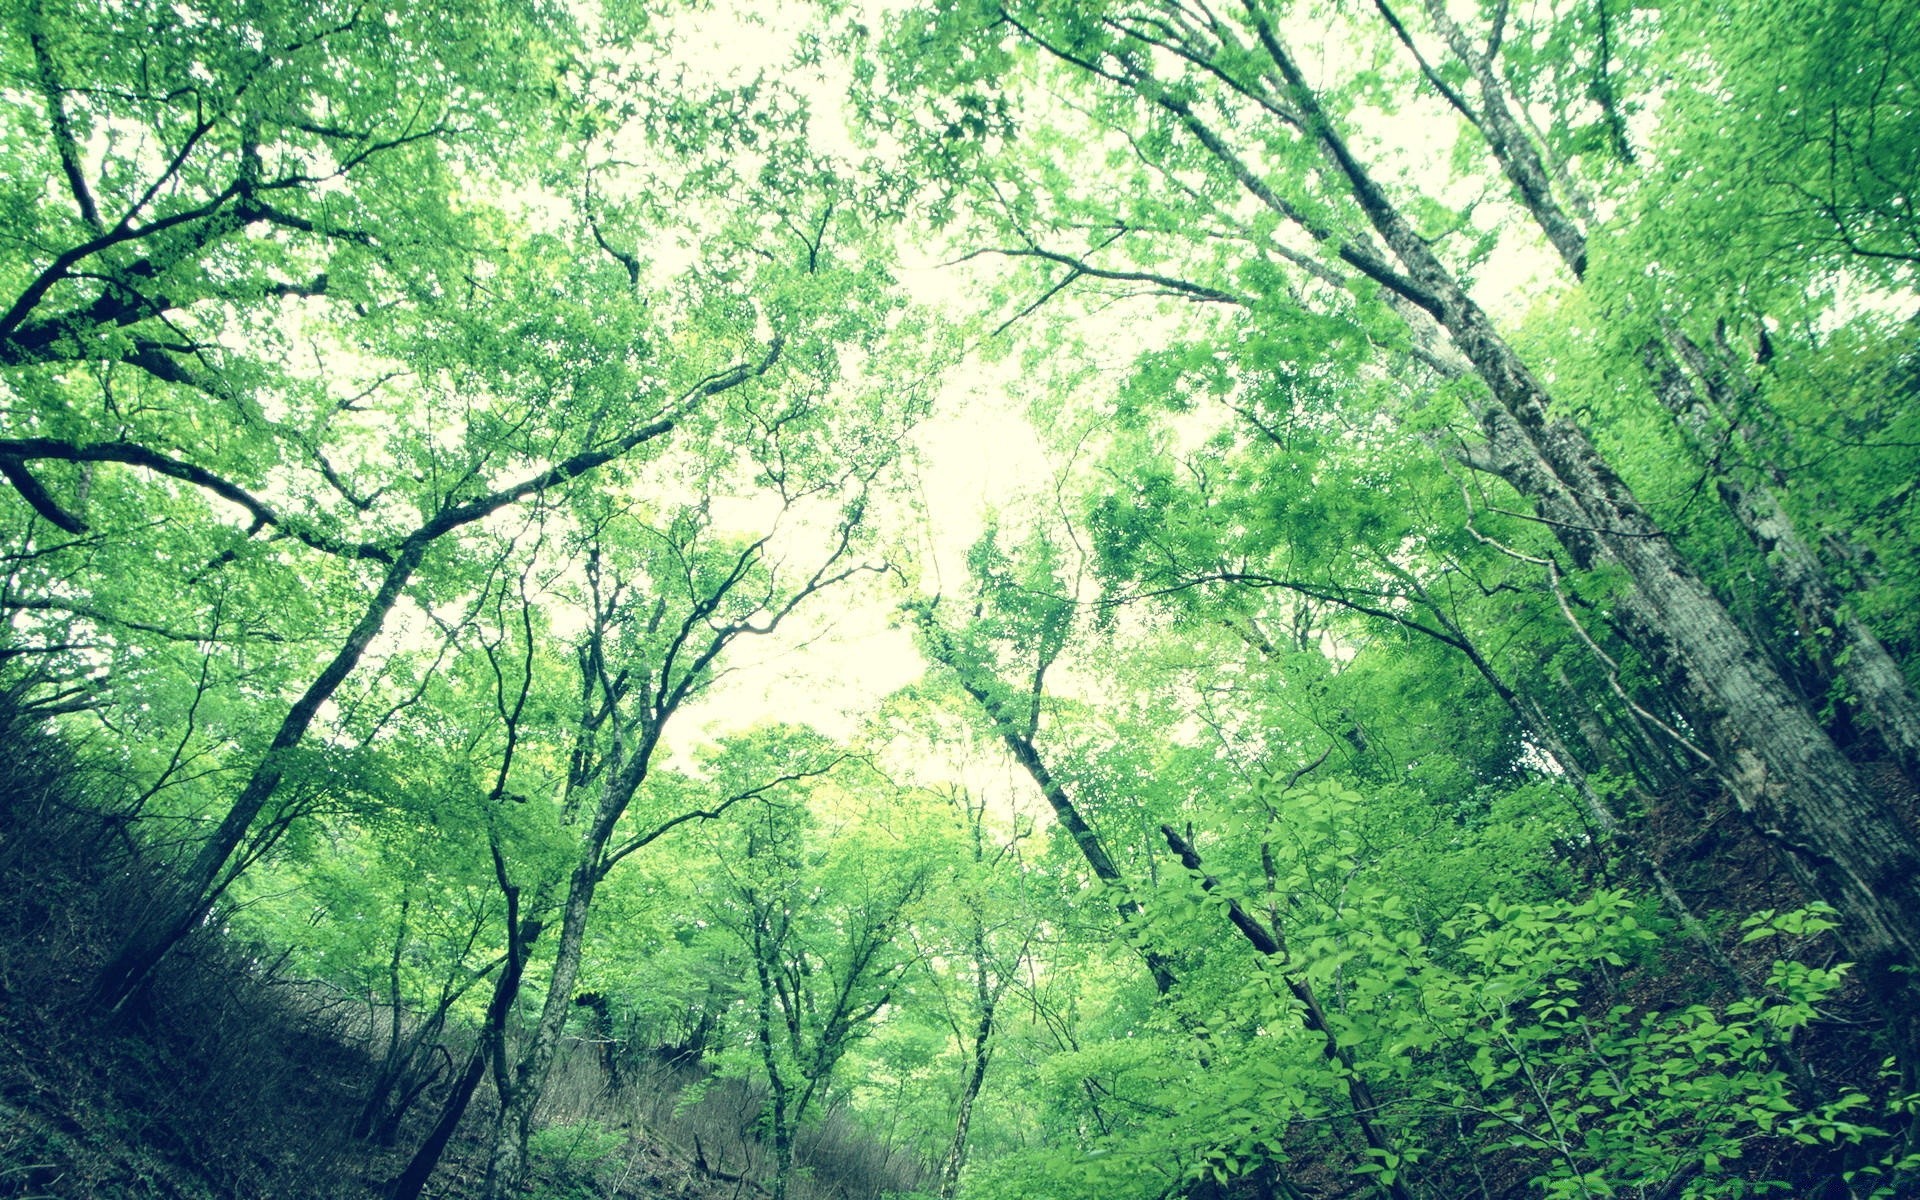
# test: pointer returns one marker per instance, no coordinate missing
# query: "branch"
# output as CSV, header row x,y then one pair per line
x,y
17,450
1311,592
101,617
712,814
1168,283
1446,90
1257,935
63,138
38,497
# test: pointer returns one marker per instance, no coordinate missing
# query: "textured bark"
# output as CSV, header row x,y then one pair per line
x,y
489,1047
986,999
778,1088
956,1156
1513,147
1855,655
1841,842
1858,658
523,1084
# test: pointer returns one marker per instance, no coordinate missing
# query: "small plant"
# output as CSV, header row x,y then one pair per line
x,y
575,1146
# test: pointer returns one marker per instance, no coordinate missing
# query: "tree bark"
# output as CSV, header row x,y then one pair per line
x,y
1858,658
1841,843
507,1164
977,1061
487,1046
1845,648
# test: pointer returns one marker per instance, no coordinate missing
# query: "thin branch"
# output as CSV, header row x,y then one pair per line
x,y
640,841
1167,283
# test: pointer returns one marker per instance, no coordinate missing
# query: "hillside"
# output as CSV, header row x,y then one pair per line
x,y
233,1080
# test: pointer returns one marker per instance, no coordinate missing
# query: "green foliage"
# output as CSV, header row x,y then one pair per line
x,y
564,1159
606,347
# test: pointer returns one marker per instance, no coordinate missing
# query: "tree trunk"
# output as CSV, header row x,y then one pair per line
x,y
1858,658
506,989
184,903
1842,844
777,1088
1361,1101
1846,650
506,1167
956,1156
1020,745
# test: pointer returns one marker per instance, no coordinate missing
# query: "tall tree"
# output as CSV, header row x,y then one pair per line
x,y
822,915
662,613
1214,111
1022,617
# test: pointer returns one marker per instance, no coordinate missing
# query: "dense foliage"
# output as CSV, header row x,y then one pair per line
x,y
1438,719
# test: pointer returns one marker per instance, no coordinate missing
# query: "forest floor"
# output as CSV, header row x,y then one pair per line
x,y
235,1082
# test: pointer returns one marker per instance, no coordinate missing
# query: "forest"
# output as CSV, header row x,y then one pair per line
x,y
961,599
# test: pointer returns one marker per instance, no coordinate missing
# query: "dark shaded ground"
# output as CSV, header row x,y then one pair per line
x,y
233,1082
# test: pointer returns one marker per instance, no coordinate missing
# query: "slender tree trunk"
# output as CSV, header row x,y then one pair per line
x,y
177,910
1019,743
1362,1104
956,1156
186,900
506,1166
976,1076
413,1179
488,1045
777,1086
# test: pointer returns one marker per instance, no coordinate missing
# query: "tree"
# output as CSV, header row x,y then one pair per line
x,y
1029,619
989,955
1214,110
661,614
226,183
821,914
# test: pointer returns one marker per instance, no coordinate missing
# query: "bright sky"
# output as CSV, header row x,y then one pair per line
x,y
979,449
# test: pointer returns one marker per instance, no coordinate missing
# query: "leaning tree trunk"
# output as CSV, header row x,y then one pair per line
x,y
490,1044
1363,1105
179,909
1858,659
184,902
1800,792
1019,743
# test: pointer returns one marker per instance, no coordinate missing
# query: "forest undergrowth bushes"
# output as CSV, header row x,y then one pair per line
x,y
1570,1043
221,1082
232,1080
1565,1044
